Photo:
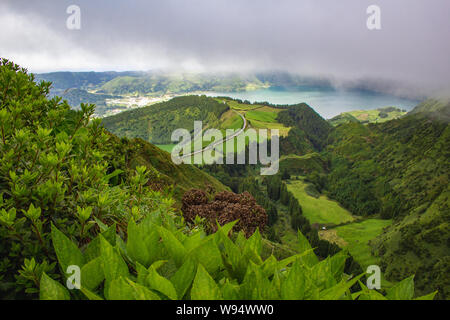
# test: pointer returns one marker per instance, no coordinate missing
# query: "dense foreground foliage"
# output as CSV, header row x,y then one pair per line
x,y
160,261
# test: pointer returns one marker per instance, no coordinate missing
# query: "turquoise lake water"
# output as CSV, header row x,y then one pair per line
x,y
328,102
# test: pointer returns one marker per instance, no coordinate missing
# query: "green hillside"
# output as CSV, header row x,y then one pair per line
x,y
309,131
433,108
368,116
156,83
400,169
156,123
304,165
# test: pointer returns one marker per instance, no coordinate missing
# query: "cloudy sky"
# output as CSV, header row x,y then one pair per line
x,y
309,37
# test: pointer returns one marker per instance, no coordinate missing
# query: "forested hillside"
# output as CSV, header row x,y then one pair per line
x,y
400,169
156,123
309,131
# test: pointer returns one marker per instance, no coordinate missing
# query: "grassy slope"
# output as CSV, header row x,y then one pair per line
x,y
357,236
368,116
182,177
318,210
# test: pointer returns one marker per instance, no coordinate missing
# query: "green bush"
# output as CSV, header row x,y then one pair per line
x,y
56,166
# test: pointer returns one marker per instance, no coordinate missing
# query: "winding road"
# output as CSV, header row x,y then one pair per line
x,y
221,141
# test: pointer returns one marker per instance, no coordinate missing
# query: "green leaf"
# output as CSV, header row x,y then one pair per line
x,y
339,290
183,278
255,242
232,258
208,255
67,252
293,287
92,274
119,289
227,228
367,294
310,259
113,174
173,246
404,290
428,296
52,290
92,250
112,263
142,293
142,273
230,291
141,244
204,287
322,275
161,284
255,286
125,289
337,264
90,295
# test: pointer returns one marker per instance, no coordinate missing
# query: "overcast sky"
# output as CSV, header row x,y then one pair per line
x,y
309,37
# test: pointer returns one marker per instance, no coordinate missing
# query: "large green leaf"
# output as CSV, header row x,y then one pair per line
x,y
161,284
255,285
204,287
293,287
112,263
337,264
310,259
367,294
90,295
125,289
120,289
67,252
142,293
208,255
93,248
255,242
52,290
232,257
173,246
322,274
230,291
404,290
183,278
428,296
92,274
338,291
142,244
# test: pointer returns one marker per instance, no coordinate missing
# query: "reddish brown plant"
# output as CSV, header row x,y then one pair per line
x,y
226,207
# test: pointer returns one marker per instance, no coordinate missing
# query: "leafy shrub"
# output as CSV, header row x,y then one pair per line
x,y
56,167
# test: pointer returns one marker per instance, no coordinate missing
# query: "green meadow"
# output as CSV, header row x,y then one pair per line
x,y
318,210
357,236
262,116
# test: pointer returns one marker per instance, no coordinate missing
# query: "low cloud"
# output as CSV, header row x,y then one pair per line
x,y
309,37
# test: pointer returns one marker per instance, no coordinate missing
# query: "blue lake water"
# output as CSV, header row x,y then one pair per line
x,y
328,102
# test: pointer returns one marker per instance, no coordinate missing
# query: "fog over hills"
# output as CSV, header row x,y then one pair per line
x,y
309,38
